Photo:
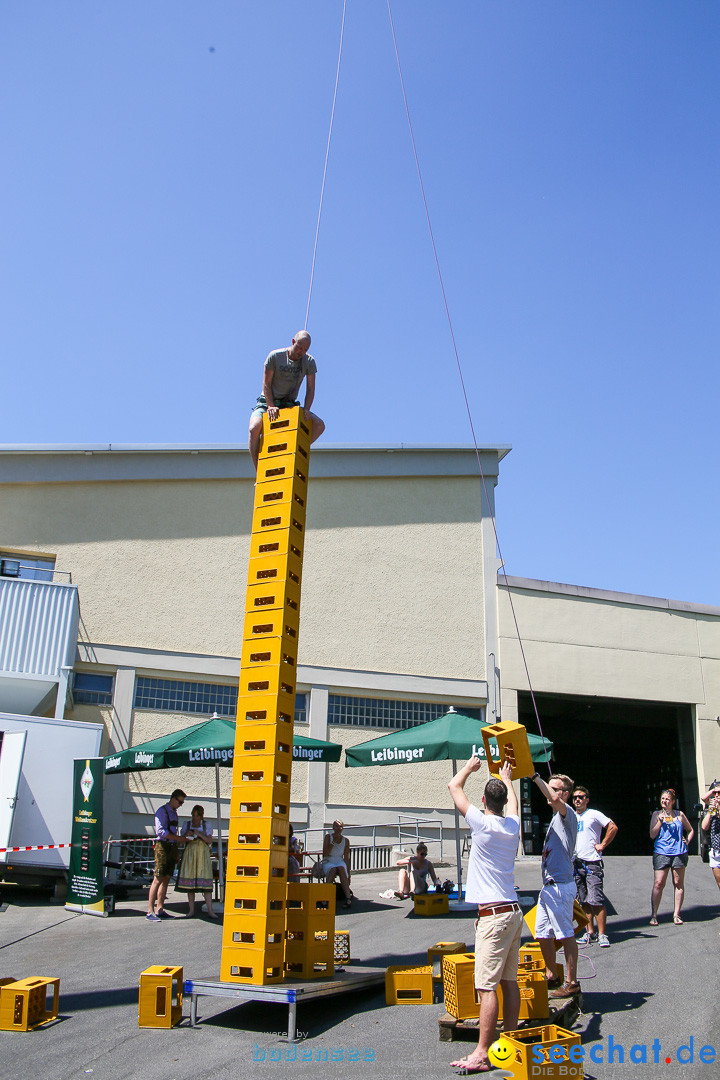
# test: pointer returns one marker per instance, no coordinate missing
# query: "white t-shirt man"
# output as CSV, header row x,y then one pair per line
x,y
492,857
589,830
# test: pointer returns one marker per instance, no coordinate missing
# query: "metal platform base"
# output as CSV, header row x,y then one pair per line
x,y
290,992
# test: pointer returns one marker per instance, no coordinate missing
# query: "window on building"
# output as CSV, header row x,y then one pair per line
x,y
17,565
92,689
386,713
198,698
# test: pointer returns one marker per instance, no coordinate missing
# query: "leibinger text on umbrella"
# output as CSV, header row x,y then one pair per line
x,y
141,758
112,763
393,753
306,754
211,754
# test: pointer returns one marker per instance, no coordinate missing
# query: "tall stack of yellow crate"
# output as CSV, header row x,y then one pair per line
x,y
256,892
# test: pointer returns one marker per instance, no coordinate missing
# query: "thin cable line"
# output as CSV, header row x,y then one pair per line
x,y
327,155
462,381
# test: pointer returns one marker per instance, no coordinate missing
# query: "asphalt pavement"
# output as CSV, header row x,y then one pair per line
x,y
651,994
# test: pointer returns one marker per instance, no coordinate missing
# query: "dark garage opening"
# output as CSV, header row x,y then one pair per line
x,y
625,752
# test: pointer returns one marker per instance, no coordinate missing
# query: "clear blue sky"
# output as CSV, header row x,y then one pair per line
x,y
160,182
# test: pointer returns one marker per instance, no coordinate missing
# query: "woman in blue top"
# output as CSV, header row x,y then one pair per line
x,y
672,832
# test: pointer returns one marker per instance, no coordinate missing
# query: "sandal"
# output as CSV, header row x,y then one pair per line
x,y
677,920
653,920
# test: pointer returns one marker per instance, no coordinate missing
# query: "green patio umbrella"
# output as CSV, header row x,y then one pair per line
x,y
451,736
211,742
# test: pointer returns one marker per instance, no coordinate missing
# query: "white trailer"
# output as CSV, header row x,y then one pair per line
x,y
36,791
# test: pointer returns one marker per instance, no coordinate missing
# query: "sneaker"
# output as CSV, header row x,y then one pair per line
x,y
151,917
566,990
164,915
603,941
554,983
594,935
584,939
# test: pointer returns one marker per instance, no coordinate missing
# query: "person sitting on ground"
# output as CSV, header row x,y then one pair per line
x,y
195,874
336,859
413,877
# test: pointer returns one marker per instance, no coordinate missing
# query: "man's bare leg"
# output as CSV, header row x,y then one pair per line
x,y
254,436
486,1030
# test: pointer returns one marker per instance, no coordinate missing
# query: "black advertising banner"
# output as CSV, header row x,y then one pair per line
x,y
85,877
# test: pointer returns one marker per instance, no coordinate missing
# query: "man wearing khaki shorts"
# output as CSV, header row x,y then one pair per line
x,y
491,885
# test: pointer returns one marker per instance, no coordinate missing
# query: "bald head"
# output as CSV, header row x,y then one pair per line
x,y
300,345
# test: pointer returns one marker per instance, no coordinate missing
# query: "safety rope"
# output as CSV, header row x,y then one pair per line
x,y
462,383
327,155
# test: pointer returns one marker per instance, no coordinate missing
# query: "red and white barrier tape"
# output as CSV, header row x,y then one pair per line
x,y
37,847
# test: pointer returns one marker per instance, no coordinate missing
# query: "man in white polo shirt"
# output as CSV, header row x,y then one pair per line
x,y
595,832
491,886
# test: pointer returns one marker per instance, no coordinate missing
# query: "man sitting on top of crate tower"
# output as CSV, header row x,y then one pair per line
x,y
284,372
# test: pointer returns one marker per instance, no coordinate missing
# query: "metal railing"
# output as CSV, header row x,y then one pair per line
x,y
376,840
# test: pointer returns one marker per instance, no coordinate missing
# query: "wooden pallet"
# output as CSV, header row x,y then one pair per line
x,y
563,1012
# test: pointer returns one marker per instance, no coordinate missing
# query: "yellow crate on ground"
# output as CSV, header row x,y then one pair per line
x,y
156,1006
24,1003
409,985
523,1062
341,946
247,965
443,948
533,996
431,904
458,971
512,742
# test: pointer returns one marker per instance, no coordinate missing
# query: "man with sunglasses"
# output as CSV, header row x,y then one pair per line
x,y
595,832
166,855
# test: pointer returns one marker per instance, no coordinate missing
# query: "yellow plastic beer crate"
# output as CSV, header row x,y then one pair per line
x,y
267,569
266,595
431,904
306,900
253,831
275,623
253,931
522,1062
458,971
290,432
533,996
513,745
268,681
241,964
259,800
269,519
275,542
443,948
247,896
271,652
280,467
257,865
265,709
156,1006
24,1003
409,985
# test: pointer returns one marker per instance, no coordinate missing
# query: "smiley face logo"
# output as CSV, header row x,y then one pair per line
x,y
500,1053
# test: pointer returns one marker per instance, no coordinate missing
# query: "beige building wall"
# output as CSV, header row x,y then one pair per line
x,y
614,645
399,558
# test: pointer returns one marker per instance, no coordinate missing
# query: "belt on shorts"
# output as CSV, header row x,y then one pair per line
x,y
498,909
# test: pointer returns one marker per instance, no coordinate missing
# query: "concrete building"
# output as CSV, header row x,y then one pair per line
x,y
122,591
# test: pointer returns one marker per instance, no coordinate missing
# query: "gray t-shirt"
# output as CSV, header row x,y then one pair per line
x,y
288,374
557,856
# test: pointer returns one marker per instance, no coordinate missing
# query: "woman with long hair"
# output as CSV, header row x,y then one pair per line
x,y
672,832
